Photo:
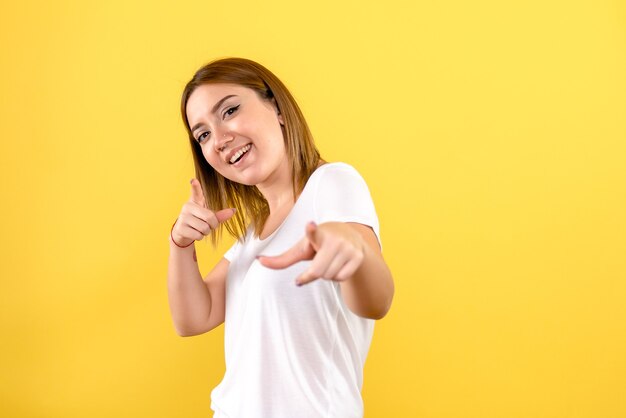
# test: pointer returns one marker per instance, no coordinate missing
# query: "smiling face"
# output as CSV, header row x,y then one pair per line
x,y
239,132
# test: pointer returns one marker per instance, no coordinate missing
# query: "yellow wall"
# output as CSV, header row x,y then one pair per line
x,y
492,135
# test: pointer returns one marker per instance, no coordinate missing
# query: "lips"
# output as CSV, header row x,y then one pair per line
x,y
233,156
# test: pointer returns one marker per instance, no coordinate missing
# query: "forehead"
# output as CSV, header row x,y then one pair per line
x,y
204,97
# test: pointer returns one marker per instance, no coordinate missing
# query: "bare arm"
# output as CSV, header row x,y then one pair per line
x,y
348,253
196,305
369,292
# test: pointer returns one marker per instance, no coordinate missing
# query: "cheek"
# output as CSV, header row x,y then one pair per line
x,y
241,126
259,126
210,155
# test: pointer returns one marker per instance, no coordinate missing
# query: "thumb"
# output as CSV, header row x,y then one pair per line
x,y
225,214
196,193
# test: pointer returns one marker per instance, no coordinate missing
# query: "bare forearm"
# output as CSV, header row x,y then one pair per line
x,y
189,297
369,292
348,252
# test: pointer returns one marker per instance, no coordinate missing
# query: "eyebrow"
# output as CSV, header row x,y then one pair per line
x,y
217,105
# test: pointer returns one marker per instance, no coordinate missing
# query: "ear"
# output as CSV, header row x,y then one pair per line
x,y
280,116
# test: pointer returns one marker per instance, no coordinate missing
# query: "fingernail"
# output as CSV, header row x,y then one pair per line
x,y
298,283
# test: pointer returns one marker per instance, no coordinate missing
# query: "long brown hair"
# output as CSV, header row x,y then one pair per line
x,y
220,192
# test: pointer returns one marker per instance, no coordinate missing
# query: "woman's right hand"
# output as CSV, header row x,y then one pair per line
x,y
195,220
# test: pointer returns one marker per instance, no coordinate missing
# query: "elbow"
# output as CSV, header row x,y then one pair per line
x,y
184,332
384,299
380,313
384,309
374,315
192,331
373,312
372,307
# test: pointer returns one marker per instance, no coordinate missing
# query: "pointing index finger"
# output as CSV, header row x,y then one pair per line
x,y
299,252
196,193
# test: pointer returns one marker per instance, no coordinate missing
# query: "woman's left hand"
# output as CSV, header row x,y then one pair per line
x,y
336,249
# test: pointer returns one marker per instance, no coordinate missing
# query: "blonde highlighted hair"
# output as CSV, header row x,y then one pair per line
x,y
220,192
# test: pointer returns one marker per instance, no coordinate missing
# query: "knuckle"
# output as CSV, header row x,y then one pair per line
x,y
181,229
211,219
202,213
358,255
344,246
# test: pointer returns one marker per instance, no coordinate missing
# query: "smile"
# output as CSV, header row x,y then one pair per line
x,y
237,156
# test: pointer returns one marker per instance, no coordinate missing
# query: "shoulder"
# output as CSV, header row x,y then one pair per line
x,y
339,183
342,195
331,173
335,167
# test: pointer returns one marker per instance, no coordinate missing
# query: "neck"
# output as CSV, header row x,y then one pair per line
x,y
278,189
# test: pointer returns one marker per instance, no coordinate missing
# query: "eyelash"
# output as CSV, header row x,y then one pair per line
x,y
199,140
230,109
234,109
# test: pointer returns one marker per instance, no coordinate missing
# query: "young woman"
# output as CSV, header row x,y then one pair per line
x,y
302,286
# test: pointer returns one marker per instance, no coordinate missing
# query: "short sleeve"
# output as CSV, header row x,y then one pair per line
x,y
232,251
343,196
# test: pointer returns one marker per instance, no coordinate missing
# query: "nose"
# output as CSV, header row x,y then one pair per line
x,y
222,139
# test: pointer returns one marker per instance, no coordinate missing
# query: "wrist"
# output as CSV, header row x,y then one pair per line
x,y
174,242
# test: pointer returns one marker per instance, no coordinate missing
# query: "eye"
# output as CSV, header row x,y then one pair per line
x,y
202,136
231,110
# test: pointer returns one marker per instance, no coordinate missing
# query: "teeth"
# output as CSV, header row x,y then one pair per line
x,y
239,153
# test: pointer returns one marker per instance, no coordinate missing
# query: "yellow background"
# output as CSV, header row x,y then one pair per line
x,y
492,135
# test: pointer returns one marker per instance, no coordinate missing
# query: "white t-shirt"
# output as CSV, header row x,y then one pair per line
x,y
295,352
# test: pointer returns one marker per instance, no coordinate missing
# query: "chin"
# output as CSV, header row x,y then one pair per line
x,y
247,180
250,176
